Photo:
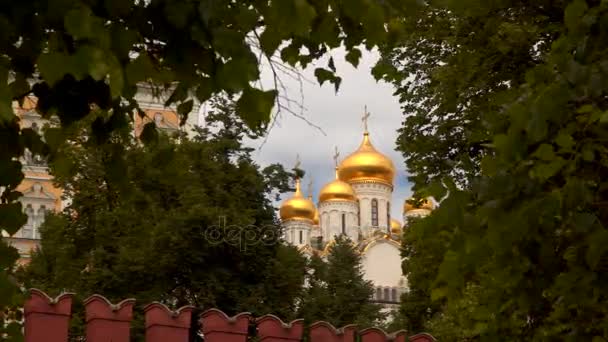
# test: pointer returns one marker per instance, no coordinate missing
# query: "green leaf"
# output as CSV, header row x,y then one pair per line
x,y
353,57
179,94
588,154
53,66
587,108
324,75
598,245
436,189
564,140
185,108
254,107
489,165
236,74
10,172
149,135
270,41
11,217
545,152
574,12
382,69
81,23
304,14
92,61
204,90
331,65
116,80
439,293
19,87
140,69
545,171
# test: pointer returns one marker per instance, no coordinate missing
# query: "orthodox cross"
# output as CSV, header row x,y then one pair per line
x,y
366,115
298,163
310,188
336,155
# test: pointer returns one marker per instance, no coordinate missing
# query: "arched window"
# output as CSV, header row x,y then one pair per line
x,y
378,293
301,238
375,212
394,295
386,295
26,230
358,213
343,223
388,216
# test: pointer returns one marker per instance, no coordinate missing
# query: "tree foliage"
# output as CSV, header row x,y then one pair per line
x,y
78,55
182,223
336,291
506,108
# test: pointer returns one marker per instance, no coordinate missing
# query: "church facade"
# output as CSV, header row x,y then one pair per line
x,y
357,203
40,195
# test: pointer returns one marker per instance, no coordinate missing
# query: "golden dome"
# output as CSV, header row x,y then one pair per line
x,y
427,204
366,163
337,190
298,207
396,227
315,219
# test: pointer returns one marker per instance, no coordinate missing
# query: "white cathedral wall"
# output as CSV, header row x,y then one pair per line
x,y
292,229
382,265
366,192
331,219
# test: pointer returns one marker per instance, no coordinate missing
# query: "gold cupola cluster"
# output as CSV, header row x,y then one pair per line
x,y
298,207
337,190
367,164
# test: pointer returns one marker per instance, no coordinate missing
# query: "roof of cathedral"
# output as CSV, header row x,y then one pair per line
x,y
396,227
297,207
337,190
367,164
366,244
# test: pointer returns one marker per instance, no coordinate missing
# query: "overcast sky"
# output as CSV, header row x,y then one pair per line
x,y
339,115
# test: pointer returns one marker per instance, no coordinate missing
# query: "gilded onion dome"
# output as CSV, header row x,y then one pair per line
x,y
367,164
396,227
426,204
297,207
337,190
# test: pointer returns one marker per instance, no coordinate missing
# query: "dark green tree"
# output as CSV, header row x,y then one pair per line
x,y
336,290
506,108
75,55
183,223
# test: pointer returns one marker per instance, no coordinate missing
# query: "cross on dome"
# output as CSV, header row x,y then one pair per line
x,y
364,118
336,155
298,162
310,188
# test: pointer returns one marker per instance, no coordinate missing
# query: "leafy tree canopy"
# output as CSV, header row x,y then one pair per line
x,y
506,108
79,55
188,222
